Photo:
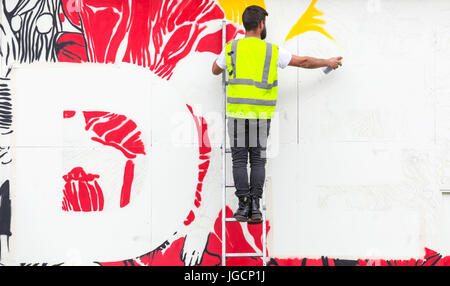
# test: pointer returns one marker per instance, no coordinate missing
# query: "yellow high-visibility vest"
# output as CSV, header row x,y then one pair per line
x,y
252,83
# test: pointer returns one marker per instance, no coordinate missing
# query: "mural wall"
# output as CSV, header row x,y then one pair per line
x,y
111,128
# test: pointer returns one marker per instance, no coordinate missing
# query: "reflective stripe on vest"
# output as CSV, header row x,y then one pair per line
x,y
244,81
238,100
267,61
252,93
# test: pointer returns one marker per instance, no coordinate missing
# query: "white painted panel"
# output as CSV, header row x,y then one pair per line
x,y
41,161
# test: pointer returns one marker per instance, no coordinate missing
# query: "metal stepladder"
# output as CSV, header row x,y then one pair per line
x,y
226,187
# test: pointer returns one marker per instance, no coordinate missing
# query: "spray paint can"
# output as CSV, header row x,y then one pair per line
x,y
327,70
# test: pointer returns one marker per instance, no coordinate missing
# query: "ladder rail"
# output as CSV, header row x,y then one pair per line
x,y
225,150
224,141
264,233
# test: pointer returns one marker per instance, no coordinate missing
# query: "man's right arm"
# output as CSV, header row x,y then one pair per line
x,y
313,63
216,70
219,64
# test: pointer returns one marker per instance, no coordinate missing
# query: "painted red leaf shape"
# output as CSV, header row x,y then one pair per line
x,y
115,130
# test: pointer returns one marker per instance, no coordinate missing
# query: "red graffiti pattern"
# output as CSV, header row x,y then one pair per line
x,y
153,34
69,113
169,255
70,47
204,150
213,42
128,176
82,192
115,130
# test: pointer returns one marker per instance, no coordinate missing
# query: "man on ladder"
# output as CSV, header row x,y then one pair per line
x,y
252,64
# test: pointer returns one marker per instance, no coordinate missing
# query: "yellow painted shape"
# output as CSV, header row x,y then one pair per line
x,y
234,8
308,22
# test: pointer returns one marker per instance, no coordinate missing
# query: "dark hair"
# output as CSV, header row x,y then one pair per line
x,y
252,16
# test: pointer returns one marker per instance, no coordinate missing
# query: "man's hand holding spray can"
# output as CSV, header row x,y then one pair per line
x,y
334,63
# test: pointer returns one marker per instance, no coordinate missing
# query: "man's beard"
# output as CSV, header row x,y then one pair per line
x,y
263,33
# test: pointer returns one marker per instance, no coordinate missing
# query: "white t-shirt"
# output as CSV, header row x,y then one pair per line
x,y
284,57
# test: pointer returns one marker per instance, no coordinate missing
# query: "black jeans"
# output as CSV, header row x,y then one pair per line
x,y
248,136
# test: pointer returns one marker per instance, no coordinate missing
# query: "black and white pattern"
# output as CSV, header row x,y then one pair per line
x,y
5,216
34,26
5,114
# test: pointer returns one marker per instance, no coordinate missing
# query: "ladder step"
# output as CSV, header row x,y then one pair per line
x,y
228,150
230,219
229,186
258,254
